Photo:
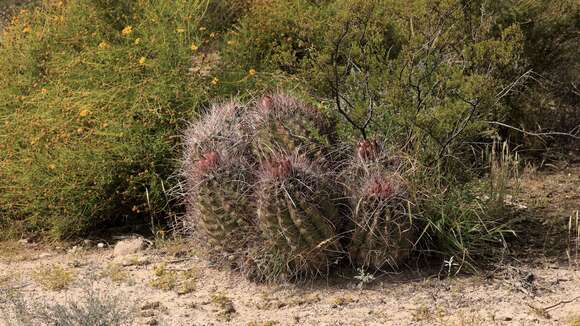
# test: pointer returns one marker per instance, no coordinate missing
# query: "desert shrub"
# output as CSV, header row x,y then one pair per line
x,y
92,308
407,72
92,97
546,99
435,76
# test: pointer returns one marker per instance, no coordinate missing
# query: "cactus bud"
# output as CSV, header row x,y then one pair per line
x,y
368,150
208,162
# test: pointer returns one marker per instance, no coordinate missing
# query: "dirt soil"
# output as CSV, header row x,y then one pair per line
x,y
535,286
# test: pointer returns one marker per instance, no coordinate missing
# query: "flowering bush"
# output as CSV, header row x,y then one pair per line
x,y
92,95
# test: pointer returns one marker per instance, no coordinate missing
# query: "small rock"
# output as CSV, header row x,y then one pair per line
x,y
23,241
151,305
228,308
100,245
74,250
75,263
129,247
148,313
152,322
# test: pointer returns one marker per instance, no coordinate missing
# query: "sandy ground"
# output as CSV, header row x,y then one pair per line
x,y
539,284
514,295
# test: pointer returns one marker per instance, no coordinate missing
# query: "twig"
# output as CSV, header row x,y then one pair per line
x,y
561,303
537,134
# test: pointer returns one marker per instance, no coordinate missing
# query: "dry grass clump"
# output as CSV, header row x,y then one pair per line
x,y
225,304
54,277
116,273
168,279
12,250
92,308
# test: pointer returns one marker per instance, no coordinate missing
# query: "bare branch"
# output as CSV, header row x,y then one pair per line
x,y
572,133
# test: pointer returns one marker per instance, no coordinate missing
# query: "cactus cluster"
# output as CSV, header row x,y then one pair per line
x,y
263,191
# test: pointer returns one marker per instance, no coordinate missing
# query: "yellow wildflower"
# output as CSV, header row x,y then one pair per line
x,y
103,45
215,81
194,47
127,30
231,42
137,41
44,91
180,30
84,113
252,72
26,30
142,61
51,166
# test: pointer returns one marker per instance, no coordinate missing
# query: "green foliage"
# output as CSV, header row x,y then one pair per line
x,y
459,227
433,74
91,97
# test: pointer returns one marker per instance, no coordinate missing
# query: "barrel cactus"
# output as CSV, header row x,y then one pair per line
x,y
283,124
217,169
220,204
383,231
382,226
221,128
297,214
